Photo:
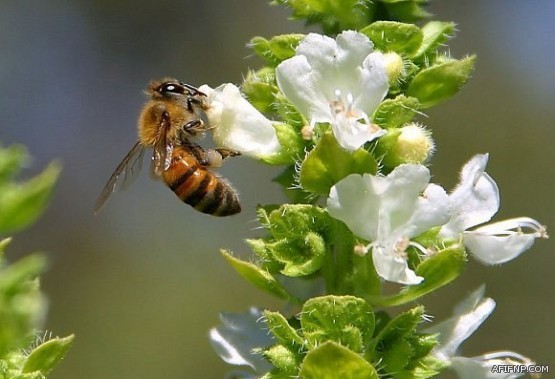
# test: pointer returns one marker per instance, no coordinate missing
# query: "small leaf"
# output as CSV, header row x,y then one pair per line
x,y
347,320
393,113
330,360
282,358
440,82
21,204
328,163
276,49
258,277
435,33
44,357
394,36
12,158
405,10
280,328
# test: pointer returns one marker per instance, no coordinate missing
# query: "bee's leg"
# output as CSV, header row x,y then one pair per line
x,y
192,128
225,153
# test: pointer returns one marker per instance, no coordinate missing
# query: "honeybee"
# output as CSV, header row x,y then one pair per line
x,y
167,122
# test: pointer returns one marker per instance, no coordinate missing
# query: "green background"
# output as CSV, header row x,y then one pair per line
x,y
141,284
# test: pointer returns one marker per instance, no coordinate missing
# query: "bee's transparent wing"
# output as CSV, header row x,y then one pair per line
x,y
123,175
163,149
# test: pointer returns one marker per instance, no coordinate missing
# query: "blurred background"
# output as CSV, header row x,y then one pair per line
x,y
143,282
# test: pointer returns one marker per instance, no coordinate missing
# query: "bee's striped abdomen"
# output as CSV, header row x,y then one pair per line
x,y
200,187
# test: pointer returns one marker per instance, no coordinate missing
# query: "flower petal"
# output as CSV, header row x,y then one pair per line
x,y
481,366
352,134
299,83
468,317
238,335
237,124
475,199
393,267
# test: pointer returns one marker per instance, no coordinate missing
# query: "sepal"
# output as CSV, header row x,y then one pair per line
x,y
441,81
328,163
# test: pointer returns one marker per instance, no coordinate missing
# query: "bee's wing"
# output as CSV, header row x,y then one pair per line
x,y
123,175
163,148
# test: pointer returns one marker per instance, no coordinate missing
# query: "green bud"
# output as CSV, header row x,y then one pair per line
x,y
276,49
45,356
440,82
282,358
395,67
297,237
328,163
393,113
330,360
258,277
393,36
410,144
347,320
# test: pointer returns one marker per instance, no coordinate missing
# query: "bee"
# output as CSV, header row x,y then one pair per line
x,y
168,121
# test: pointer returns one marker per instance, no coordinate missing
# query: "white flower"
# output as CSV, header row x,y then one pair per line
x,y
237,124
474,201
340,82
388,211
237,337
467,318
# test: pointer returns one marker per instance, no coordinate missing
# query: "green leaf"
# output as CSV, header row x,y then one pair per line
x,y
328,163
12,158
280,328
44,357
330,360
394,113
440,82
282,358
21,204
436,33
405,10
276,49
401,38
347,320
21,303
258,277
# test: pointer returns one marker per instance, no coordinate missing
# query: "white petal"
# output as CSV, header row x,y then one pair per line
x,y
393,268
352,134
495,249
483,366
502,241
238,335
363,202
300,84
455,330
475,199
354,201
237,124
374,83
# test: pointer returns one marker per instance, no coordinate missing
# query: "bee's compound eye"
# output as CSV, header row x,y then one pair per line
x,y
171,88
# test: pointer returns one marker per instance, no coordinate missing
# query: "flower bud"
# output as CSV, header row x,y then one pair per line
x,y
394,66
410,144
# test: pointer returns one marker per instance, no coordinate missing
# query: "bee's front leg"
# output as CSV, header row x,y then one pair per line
x,y
225,153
